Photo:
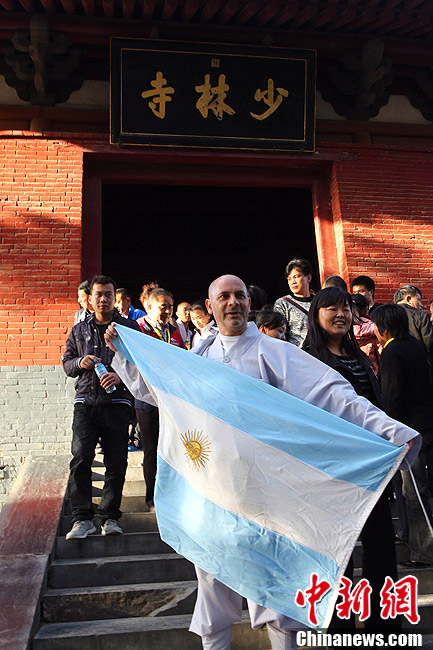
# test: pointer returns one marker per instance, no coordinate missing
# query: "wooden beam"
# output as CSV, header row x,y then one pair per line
x,y
169,8
190,9
49,5
408,5
209,10
383,18
109,9
286,14
27,4
425,30
9,5
327,250
267,13
304,16
148,9
402,20
128,7
344,17
69,7
324,17
366,16
228,11
375,128
391,4
89,7
421,25
250,10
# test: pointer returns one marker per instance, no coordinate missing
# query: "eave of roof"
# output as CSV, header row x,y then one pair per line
x,y
408,19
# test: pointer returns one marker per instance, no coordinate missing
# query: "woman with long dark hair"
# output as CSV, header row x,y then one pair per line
x,y
330,338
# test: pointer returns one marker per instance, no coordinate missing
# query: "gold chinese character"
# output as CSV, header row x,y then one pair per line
x,y
160,94
268,97
218,106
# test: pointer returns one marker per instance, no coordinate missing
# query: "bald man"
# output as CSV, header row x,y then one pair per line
x,y
183,322
240,345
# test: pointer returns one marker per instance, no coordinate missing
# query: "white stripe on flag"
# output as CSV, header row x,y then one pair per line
x,y
261,483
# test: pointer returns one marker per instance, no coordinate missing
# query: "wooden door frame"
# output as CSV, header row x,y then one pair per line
x,y
176,167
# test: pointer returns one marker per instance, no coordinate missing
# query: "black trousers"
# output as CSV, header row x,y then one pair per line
x,y
110,425
419,537
148,421
378,562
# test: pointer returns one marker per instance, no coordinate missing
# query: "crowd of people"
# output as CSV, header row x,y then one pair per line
x,y
385,352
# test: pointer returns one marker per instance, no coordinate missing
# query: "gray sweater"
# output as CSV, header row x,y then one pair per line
x,y
296,319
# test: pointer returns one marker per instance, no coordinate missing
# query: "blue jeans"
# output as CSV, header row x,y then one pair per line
x,y
110,425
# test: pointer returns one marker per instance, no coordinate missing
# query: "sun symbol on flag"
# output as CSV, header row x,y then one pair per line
x,y
197,447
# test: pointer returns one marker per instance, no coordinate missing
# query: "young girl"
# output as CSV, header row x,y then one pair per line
x,y
330,338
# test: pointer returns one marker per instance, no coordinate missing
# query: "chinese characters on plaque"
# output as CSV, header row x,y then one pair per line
x,y
212,98
189,94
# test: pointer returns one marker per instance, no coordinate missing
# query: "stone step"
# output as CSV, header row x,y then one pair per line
x,y
425,611
133,473
99,546
131,522
93,572
130,488
144,633
135,503
135,459
423,575
122,601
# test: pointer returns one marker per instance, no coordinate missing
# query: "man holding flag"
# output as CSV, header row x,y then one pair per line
x,y
250,547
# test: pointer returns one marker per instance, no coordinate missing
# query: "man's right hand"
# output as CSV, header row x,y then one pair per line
x,y
88,362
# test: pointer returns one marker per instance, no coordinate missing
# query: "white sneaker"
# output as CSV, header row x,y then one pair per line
x,y
111,527
81,529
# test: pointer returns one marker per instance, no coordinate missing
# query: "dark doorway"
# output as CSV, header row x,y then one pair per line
x,y
186,236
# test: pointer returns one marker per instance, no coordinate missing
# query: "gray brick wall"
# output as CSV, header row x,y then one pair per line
x,y
36,404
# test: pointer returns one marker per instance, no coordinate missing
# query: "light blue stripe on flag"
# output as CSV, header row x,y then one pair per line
x,y
302,430
265,567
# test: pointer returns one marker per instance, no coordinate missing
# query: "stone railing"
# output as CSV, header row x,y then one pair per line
x,y
28,526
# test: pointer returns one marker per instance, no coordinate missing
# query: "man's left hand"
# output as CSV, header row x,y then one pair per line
x,y
110,335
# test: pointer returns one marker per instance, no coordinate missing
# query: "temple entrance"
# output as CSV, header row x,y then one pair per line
x,y
185,236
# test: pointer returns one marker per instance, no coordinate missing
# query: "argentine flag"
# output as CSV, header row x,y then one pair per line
x,y
257,487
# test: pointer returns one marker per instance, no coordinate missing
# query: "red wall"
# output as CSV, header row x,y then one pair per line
x,y
382,204
40,212
384,200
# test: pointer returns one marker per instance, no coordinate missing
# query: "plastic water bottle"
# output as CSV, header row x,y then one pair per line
x,y
101,370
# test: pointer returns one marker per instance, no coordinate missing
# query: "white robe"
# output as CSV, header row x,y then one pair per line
x,y
292,370
207,331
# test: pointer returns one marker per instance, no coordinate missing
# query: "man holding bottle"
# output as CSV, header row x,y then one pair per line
x,y
102,411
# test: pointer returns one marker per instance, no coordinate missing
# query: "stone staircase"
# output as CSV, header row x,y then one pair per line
x,y
132,591
127,591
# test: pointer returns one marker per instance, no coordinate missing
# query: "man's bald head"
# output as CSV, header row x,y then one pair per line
x,y
225,278
229,303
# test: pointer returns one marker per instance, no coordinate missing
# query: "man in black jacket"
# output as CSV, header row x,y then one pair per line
x,y
98,414
407,397
409,297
